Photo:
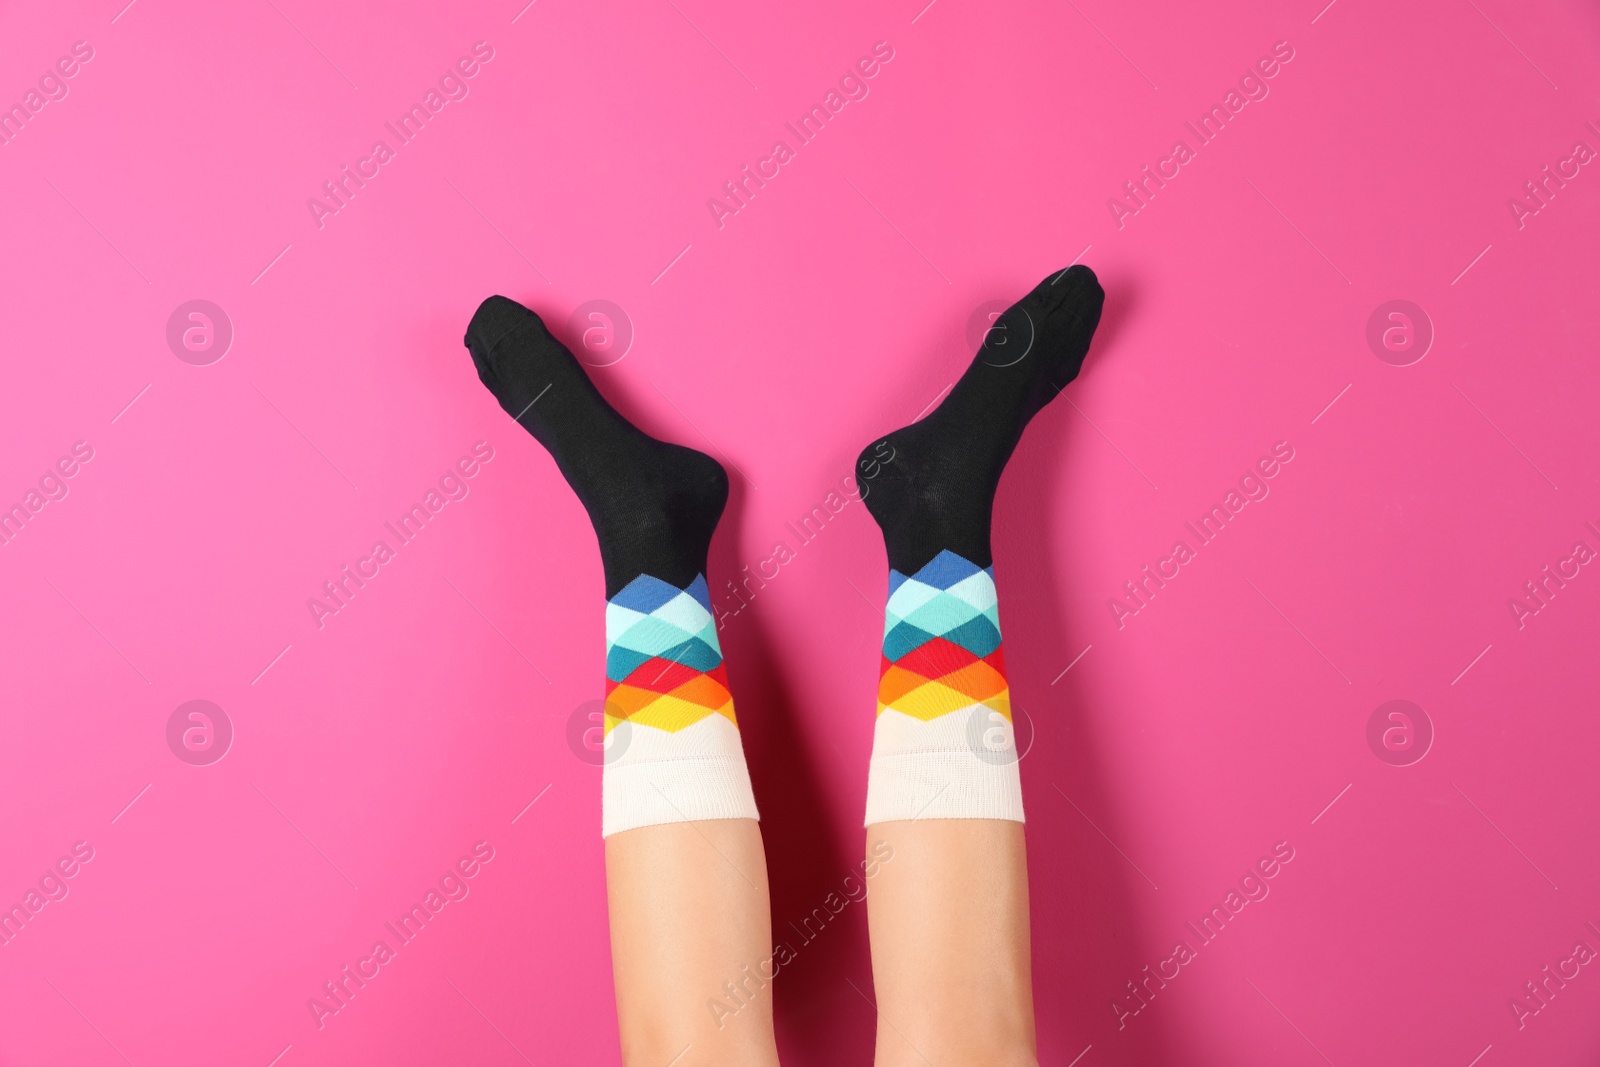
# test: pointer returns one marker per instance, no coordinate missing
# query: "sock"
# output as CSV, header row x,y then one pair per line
x,y
943,746
673,752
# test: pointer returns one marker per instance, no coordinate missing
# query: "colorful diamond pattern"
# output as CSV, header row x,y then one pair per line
x,y
663,662
941,641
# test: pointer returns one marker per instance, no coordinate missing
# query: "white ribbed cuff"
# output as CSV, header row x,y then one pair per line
x,y
961,765
688,775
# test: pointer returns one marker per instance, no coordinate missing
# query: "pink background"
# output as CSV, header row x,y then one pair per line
x,y
1220,720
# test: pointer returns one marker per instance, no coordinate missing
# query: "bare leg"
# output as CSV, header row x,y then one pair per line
x,y
948,918
690,912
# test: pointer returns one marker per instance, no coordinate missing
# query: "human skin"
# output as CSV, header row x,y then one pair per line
x,y
948,921
689,912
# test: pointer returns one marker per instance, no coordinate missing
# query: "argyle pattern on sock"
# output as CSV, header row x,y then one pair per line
x,y
673,751
941,641
663,662
942,745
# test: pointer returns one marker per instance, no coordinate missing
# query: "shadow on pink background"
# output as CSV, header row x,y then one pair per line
x,y
1175,746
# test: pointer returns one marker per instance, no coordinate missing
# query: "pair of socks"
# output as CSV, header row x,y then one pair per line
x,y
942,745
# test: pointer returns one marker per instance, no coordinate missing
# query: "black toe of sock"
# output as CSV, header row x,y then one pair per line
x,y
1068,310
931,485
495,318
1066,307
